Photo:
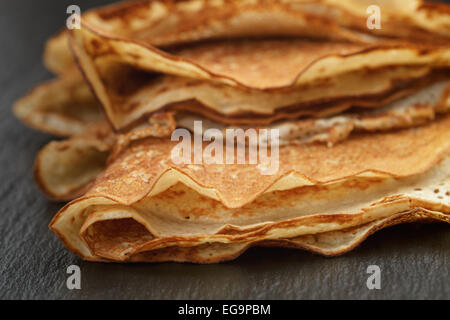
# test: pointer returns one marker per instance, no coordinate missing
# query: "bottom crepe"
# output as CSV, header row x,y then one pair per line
x,y
327,200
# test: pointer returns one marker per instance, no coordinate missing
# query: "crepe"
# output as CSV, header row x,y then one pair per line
x,y
54,165
144,203
245,62
163,23
330,243
127,92
415,19
64,170
416,109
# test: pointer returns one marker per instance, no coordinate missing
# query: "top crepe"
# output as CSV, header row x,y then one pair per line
x,y
163,23
252,64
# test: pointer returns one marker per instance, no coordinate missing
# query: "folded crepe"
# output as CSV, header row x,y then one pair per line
x,y
66,107
66,169
331,243
416,109
54,165
234,80
144,206
164,23
244,62
416,19
127,91
362,116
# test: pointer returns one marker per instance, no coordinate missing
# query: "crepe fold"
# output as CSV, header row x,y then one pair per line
x,y
66,169
234,80
294,61
66,107
330,243
143,204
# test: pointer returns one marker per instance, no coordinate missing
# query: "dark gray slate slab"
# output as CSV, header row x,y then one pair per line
x,y
414,258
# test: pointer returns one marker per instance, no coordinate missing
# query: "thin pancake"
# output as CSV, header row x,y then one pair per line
x,y
330,243
65,106
148,165
416,109
163,23
256,64
419,109
97,227
64,170
414,19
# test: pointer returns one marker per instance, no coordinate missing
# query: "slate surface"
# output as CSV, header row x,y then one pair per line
x,y
414,258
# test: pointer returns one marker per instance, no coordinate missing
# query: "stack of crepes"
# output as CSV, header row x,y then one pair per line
x,y
363,116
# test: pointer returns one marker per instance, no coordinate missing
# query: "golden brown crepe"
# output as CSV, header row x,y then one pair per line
x,y
143,202
331,243
66,169
415,19
66,107
231,80
55,163
127,93
163,23
245,62
413,110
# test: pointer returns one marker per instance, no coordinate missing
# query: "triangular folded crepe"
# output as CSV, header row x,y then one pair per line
x,y
65,107
143,202
245,62
163,23
329,243
413,19
55,176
